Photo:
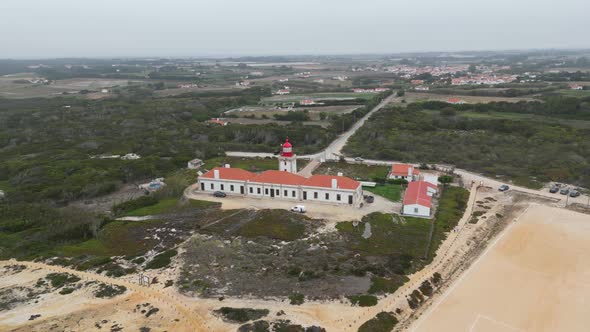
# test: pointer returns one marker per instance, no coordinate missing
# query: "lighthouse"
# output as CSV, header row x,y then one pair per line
x,y
287,160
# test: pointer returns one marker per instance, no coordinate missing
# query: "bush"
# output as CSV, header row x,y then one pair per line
x,y
363,300
241,315
383,322
161,260
296,299
60,279
67,290
108,291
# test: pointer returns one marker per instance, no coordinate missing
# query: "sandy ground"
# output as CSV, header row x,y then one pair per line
x,y
532,278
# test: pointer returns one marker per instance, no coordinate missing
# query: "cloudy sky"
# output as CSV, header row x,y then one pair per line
x,y
71,28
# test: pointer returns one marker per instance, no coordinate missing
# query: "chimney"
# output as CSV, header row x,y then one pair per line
x,y
340,174
334,184
216,174
227,166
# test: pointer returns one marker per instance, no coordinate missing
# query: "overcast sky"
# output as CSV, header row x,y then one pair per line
x,y
72,28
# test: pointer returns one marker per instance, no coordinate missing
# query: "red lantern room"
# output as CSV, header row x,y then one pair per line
x,y
287,149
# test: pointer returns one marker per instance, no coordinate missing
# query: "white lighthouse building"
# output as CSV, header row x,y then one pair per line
x,y
288,160
283,184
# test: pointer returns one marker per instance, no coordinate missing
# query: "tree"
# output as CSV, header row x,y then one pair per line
x,y
472,68
445,179
401,92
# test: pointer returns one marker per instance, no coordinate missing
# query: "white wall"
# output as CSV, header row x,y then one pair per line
x,y
416,210
251,189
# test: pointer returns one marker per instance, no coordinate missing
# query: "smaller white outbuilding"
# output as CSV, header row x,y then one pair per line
x,y
418,199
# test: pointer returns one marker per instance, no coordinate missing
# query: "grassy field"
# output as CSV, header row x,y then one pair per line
x,y
355,171
318,97
116,238
389,236
274,224
168,205
390,191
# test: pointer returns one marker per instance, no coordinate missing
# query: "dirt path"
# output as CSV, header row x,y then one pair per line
x,y
192,319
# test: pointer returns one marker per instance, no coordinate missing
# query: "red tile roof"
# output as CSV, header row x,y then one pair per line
x,y
454,100
278,177
402,169
417,193
229,174
325,181
282,177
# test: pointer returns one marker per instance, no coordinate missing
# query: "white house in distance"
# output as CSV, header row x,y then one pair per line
x,y
283,184
418,199
404,171
194,164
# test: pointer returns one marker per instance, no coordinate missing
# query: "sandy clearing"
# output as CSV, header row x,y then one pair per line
x,y
531,278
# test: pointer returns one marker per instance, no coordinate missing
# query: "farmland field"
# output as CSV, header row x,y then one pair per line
x,y
318,96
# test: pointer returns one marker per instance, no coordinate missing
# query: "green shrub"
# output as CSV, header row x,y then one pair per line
x,y
161,260
67,290
60,279
383,322
363,300
296,299
241,315
108,291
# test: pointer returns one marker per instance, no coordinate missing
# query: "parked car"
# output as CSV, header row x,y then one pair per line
x,y
553,189
219,194
358,159
564,191
503,187
369,198
298,208
574,193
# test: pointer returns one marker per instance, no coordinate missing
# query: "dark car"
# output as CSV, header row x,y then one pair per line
x,y
503,187
219,194
369,199
553,189
564,191
574,193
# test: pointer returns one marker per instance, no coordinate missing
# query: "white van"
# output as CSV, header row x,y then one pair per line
x,y
298,208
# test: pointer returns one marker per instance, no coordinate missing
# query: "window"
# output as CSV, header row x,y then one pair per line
x,y
277,192
251,190
327,196
221,186
231,187
315,195
258,190
338,197
293,193
266,191
286,193
212,186
415,210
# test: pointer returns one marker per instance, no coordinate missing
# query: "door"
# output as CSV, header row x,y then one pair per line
x,y
305,195
202,186
242,190
349,199
272,193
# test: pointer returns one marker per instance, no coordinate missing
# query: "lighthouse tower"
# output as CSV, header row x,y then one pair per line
x,y
287,160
